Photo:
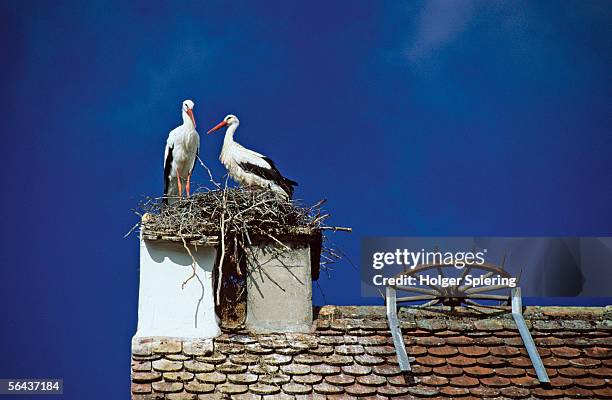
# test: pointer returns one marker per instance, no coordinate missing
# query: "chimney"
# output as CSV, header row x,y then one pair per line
x,y
167,306
279,282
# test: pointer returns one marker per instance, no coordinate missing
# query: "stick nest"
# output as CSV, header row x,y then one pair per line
x,y
236,211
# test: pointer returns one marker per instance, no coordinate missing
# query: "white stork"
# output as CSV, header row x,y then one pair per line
x,y
182,149
247,167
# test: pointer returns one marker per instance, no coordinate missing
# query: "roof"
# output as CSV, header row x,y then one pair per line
x,y
349,354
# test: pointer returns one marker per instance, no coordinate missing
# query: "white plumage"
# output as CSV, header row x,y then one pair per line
x,y
182,149
250,168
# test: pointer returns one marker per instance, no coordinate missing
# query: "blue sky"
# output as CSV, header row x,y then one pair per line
x,y
411,118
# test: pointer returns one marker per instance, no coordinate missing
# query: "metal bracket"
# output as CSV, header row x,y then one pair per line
x,y
517,314
396,332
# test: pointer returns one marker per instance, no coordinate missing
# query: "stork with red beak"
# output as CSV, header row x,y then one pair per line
x,y
249,168
182,149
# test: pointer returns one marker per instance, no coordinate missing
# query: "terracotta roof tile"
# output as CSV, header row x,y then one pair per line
x,y
461,354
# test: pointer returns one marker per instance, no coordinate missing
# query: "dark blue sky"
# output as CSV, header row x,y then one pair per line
x,y
412,118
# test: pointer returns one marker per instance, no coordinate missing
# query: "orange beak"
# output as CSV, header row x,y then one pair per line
x,y
218,126
190,113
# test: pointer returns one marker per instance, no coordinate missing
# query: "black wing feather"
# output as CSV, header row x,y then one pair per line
x,y
271,174
167,170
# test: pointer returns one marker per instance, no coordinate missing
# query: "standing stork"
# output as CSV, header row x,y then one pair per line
x,y
249,168
182,149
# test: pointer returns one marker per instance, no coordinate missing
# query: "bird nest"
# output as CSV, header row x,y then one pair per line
x,y
234,220
233,211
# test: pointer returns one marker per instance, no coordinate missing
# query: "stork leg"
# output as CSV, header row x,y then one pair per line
x,y
188,185
180,186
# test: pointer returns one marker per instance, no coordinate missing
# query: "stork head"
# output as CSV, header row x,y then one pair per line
x,y
227,121
188,112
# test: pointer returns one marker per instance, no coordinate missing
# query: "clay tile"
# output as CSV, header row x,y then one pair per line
x,y
553,362
431,325
392,391
263,369
520,362
242,359
491,361
374,340
322,350
460,325
423,391
561,382
454,391
513,341
473,351
488,325
515,392
434,380
366,359
141,366
232,389
371,380
323,369
565,352
549,341
229,368
295,369
419,370
274,379
308,359
167,346
360,390
350,350
338,360
242,379
141,388
182,376
495,381
416,351
296,388
602,372
340,379
326,388
211,377
448,371
276,359
380,350
460,341
164,365
462,361
604,393
482,391
548,393
430,361
479,372
387,370
576,325
447,333
526,382
572,372
489,341
356,370
288,351
263,389
443,351
167,387
331,340
510,372
197,387
505,351
430,341
256,348
215,358
590,383
585,362
464,381
598,352
546,326
579,393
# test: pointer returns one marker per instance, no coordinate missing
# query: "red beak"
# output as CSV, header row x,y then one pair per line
x,y
218,126
190,113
